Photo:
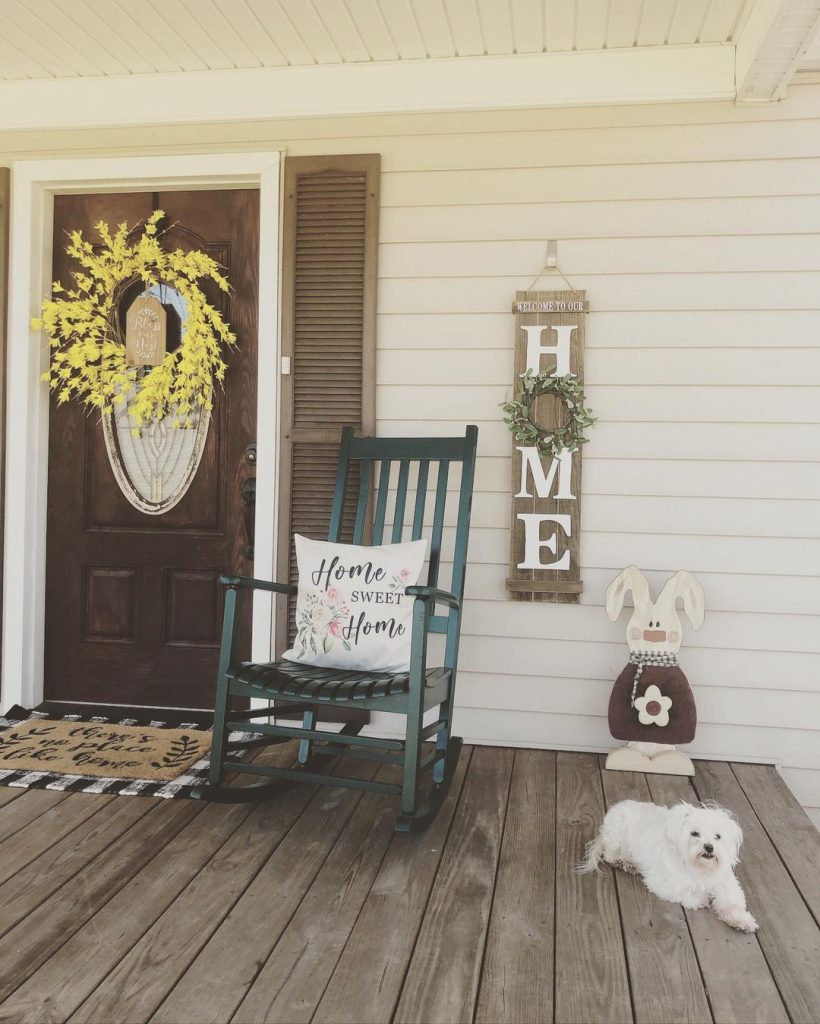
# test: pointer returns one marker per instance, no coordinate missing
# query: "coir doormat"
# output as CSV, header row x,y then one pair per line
x,y
102,749
97,755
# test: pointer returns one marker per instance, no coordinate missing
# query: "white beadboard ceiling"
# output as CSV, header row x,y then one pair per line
x,y
42,39
184,61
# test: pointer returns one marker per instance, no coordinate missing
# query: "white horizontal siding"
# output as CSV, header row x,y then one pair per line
x,y
696,231
701,256
616,366
689,328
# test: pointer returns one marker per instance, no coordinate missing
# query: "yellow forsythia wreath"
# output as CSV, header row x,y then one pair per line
x,y
87,347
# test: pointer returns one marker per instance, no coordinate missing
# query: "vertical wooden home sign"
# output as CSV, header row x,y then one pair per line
x,y
546,505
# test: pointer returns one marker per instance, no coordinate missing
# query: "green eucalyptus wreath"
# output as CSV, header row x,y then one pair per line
x,y
518,414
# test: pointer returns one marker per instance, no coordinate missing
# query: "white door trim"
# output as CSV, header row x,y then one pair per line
x,y
33,187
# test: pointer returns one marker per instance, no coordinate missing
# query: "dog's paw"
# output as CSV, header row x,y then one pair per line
x,y
738,918
627,866
748,923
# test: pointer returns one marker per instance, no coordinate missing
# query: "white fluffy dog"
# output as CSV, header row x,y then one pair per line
x,y
684,854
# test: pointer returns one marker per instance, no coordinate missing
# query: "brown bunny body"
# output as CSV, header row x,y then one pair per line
x,y
623,717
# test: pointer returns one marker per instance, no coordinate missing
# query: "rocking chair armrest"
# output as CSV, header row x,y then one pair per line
x,y
248,583
434,595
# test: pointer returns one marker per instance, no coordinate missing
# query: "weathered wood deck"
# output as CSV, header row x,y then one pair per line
x,y
310,907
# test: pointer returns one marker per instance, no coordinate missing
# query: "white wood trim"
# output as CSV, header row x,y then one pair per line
x,y
760,17
771,46
630,75
34,184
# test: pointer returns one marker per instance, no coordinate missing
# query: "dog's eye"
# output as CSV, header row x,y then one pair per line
x,y
695,834
717,837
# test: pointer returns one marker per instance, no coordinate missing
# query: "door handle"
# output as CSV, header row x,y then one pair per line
x,y
249,513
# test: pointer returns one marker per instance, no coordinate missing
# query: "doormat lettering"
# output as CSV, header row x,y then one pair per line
x,y
101,749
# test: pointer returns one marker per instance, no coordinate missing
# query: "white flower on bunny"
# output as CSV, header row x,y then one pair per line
x,y
655,628
653,707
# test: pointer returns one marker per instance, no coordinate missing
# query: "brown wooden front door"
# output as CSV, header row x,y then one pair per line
x,y
133,605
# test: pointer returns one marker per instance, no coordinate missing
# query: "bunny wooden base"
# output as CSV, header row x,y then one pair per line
x,y
658,758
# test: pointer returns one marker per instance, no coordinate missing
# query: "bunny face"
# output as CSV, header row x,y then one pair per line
x,y
655,627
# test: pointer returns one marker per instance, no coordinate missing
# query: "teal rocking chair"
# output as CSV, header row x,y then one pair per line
x,y
304,689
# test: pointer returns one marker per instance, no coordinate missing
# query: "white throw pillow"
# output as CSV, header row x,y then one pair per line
x,y
351,609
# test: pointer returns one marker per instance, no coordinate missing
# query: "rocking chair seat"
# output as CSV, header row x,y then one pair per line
x,y
286,680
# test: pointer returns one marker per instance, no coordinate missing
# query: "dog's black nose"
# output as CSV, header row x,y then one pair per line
x,y
708,847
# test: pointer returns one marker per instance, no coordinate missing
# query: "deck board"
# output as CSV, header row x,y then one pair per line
x,y
788,935
787,825
741,989
309,908
294,977
590,964
37,937
517,977
211,990
79,966
9,793
42,877
443,977
656,936
368,978
145,976
20,813
59,821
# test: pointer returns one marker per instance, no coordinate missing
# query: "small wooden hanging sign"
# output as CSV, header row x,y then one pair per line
x,y
546,503
145,326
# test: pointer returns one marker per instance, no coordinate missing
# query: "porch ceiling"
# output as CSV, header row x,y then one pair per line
x,y
122,37
172,61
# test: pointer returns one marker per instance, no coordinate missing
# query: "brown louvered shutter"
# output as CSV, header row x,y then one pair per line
x,y
329,277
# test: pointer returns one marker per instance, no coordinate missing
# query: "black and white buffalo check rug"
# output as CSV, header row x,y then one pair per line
x,y
193,777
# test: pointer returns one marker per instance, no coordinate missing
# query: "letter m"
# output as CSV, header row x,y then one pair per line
x,y
560,466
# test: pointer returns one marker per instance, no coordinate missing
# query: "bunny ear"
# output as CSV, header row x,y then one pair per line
x,y
683,584
630,579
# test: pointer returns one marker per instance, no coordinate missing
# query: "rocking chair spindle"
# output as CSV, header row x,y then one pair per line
x,y
304,689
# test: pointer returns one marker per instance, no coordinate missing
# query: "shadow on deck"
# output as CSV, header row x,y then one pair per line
x,y
311,908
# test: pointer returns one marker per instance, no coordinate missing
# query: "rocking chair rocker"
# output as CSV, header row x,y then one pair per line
x,y
304,689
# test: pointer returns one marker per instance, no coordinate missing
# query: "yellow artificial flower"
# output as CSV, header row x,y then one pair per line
x,y
88,351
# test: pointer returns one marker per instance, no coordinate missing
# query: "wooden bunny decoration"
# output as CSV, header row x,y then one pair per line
x,y
651,705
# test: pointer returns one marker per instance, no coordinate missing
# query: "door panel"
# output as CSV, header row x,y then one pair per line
x,y
133,606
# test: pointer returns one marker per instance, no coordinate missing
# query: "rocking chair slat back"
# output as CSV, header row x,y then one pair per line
x,y
361,502
421,499
407,452
401,502
438,523
381,501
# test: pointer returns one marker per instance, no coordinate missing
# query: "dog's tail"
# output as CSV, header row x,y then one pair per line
x,y
593,856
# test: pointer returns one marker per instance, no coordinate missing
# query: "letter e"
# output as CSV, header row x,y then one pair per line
x,y
533,543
